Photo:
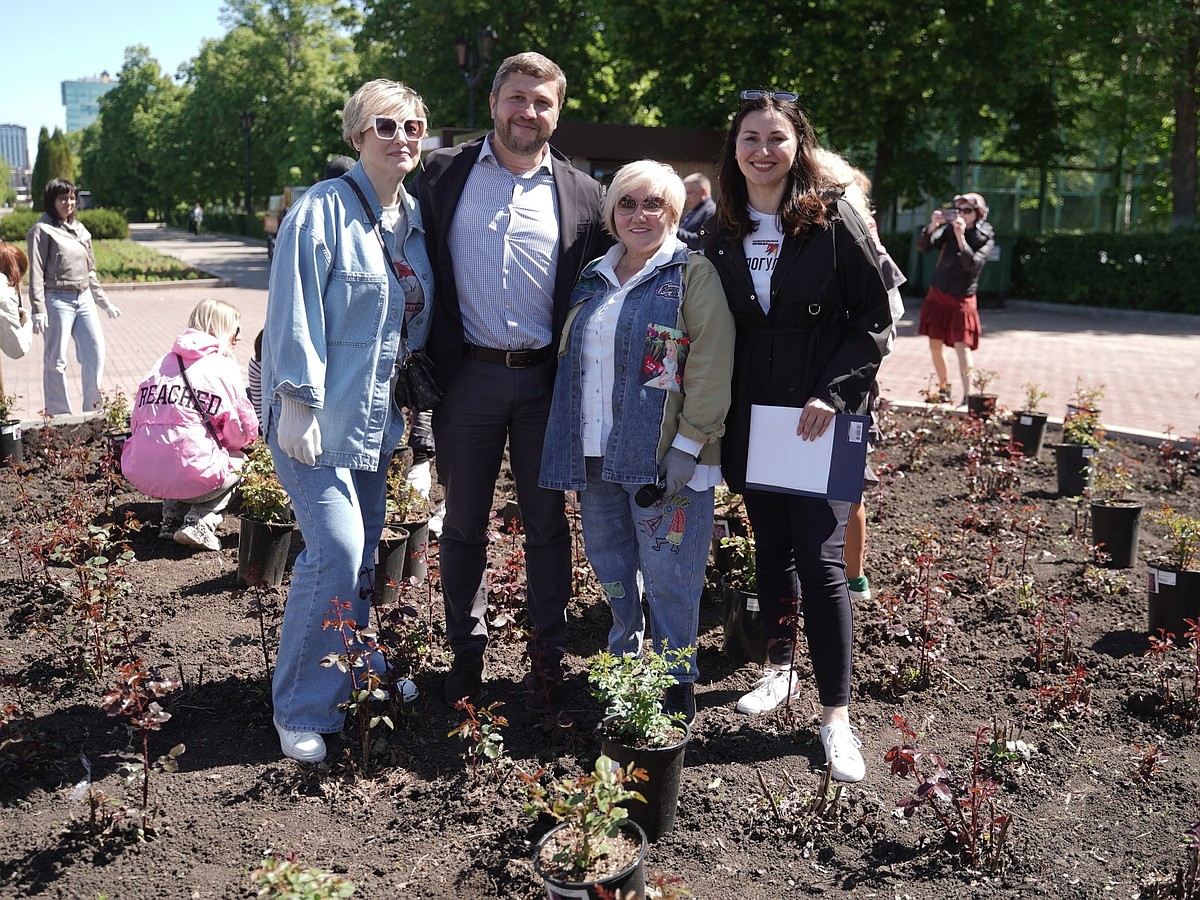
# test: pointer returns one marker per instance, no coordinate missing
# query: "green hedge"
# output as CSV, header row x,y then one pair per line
x,y
102,223
229,223
1149,271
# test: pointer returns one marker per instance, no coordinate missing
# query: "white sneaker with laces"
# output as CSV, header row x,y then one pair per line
x,y
166,531
302,746
198,534
770,691
842,748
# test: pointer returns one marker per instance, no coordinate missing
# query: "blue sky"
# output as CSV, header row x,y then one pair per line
x,y
63,40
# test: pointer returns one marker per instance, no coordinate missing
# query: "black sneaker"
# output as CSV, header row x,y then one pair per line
x,y
465,679
680,698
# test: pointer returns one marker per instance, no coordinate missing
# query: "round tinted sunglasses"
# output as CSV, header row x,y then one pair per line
x,y
650,205
786,96
386,128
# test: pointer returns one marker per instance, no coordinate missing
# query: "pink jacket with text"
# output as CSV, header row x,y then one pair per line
x,y
171,454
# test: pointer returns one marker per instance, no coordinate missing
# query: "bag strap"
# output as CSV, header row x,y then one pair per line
x,y
195,403
387,255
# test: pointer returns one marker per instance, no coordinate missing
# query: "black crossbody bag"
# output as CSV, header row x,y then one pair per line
x,y
416,386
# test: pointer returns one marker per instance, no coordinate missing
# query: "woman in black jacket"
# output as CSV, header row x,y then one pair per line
x,y
801,277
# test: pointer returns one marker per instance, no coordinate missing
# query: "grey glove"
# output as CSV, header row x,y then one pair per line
x,y
39,322
676,470
114,311
299,432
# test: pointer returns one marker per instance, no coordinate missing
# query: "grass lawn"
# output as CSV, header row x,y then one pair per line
x,y
125,261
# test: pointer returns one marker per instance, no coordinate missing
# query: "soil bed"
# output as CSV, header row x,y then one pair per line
x,y
416,821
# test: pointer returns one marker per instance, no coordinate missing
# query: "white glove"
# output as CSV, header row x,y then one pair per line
x,y
114,311
39,322
299,433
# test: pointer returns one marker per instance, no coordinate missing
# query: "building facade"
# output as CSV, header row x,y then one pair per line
x,y
82,99
14,150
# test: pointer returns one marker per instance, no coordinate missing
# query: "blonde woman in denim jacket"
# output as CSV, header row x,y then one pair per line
x,y
333,337
64,293
639,408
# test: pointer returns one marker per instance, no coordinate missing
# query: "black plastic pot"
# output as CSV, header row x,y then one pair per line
x,y
263,549
404,456
509,513
1174,596
631,881
1116,527
744,640
416,559
981,405
1076,468
116,444
722,557
390,559
664,769
1029,430
12,446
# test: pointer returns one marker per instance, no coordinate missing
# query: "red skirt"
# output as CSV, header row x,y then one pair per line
x,y
950,319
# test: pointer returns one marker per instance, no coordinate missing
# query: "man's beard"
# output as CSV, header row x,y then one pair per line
x,y
519,145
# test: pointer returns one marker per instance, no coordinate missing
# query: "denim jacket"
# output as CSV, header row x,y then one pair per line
x,y
686,295
332,333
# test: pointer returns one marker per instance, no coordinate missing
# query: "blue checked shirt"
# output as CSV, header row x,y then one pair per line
x,y
504,241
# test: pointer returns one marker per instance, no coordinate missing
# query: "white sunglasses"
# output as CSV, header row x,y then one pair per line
x,y
386,128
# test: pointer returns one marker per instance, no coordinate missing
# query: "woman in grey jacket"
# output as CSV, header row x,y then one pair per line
x,y
64,292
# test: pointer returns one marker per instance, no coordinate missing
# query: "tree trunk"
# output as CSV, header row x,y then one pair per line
x,y
1183,147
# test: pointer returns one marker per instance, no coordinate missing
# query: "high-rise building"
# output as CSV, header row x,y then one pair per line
x,y
14,150
82,99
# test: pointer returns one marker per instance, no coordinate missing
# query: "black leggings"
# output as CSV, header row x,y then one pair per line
x,y
803,538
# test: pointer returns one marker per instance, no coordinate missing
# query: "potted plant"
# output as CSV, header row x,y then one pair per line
x,y
114,415
12,447
729,518
981,403
636,732
1075,456
1029,428
595,846
744,639
403,545
1175,578
1116,520
266,527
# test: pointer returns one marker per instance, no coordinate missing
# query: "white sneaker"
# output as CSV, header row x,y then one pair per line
x,y
302,746
770,691
435,520
166,531
198,535
842,751
420,479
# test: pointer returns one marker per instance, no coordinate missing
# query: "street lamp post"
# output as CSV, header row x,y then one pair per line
x,y
247,125
473,66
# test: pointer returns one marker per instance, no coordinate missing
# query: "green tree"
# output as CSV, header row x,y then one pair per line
x,y
54,160
7,192
122,149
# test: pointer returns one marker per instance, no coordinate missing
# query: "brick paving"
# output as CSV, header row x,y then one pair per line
x,y
1148,363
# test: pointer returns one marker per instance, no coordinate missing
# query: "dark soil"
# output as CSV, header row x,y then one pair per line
x,y
416,821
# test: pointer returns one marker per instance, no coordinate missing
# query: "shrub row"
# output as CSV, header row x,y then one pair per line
x,y
102,223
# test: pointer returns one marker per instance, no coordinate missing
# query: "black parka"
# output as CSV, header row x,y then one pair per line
x,y
824,336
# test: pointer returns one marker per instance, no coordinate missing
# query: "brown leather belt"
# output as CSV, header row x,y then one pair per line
x,y
514,359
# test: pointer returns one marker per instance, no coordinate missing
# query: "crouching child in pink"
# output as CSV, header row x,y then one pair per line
x,y
191,419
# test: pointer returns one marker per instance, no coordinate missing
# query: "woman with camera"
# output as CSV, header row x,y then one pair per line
x,y
637,416
950,314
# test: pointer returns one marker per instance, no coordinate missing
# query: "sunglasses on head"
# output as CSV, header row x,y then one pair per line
x,y
649,205
386,128
786,96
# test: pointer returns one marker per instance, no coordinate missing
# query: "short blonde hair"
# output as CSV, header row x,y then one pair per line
x,y
378,98
848,178
647,175
218,318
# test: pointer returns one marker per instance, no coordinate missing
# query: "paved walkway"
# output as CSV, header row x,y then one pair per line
x,y
1148,364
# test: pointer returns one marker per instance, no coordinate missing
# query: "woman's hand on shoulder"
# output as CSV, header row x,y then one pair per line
x,y
815,418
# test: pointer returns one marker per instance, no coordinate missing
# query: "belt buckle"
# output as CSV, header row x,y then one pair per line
x,y
517,359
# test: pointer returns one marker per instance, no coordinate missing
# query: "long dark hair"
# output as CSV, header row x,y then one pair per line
x,y
55,189
806,193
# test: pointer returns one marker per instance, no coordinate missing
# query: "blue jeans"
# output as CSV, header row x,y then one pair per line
x,y
668,543
340,512
71,316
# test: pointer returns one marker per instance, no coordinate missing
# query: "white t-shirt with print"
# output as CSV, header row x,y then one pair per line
x,y
395,220
762,252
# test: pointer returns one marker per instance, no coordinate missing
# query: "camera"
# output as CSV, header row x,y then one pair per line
x,y
950,214
649,494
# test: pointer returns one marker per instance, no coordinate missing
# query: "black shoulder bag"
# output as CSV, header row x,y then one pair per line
x,y
416,387
196,403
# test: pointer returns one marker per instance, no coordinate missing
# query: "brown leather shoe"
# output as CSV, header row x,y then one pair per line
x,y
465,679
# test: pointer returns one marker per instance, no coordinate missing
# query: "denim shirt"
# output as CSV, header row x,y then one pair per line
x,y
332,333
643,419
